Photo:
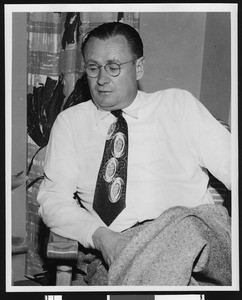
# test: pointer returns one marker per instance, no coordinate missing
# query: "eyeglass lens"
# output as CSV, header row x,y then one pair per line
x,y
112,69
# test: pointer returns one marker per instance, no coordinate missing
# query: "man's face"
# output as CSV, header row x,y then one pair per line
x,y
111,93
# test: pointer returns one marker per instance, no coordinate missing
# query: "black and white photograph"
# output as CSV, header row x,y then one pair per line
x,y
122,148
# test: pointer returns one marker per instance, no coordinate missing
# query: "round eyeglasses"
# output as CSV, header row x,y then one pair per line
x,y
112,68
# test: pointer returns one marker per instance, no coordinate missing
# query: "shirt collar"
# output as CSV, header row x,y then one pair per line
x,y
132,110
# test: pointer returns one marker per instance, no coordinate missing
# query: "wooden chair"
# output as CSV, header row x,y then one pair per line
x,y
64,251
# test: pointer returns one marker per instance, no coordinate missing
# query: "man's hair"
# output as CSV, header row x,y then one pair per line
x,y
111,29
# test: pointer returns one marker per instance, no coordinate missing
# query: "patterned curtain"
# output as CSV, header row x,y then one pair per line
x,y
54,66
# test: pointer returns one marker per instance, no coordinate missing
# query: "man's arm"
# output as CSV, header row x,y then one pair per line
x,y
215,147
58,208
210,139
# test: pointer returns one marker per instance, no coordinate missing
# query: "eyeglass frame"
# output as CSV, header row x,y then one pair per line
x,y
108,63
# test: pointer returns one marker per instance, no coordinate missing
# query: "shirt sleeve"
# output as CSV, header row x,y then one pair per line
x,y
210,139
58,209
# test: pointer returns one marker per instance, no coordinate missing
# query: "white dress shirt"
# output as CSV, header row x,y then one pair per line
x,y
172,138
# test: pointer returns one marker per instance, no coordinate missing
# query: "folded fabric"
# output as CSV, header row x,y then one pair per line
x,y
184,246
91,269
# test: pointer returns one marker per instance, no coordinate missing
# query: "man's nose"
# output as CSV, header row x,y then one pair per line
x,y
103,76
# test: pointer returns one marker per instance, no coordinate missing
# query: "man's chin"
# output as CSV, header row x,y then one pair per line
x,y
107,105
108,108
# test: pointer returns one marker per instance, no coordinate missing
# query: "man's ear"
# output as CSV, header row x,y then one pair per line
x,y
140,67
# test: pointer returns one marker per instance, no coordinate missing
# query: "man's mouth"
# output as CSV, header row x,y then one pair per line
x,y
104,92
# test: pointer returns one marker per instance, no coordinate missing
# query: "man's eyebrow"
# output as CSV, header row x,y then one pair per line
x,y
113,61
90,61
93,61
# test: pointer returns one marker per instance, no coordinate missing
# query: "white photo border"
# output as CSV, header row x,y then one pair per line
x,y
173,7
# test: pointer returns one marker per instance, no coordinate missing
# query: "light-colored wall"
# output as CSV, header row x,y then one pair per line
x,y
173,45
216,73
188,50
19,120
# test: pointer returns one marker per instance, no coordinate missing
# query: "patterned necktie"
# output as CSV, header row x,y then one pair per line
x,y
109,196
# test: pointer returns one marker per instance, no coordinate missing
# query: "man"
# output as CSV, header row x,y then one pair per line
x,y
172,138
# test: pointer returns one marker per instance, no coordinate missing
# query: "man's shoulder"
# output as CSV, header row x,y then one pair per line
x,y
173,93
168,97
174,102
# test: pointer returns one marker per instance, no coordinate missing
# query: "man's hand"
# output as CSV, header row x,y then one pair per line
x,y
109,243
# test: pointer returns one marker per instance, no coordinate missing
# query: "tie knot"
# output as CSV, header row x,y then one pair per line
x,y
117,113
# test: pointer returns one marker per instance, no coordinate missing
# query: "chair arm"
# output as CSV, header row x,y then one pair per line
x,y
61,248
